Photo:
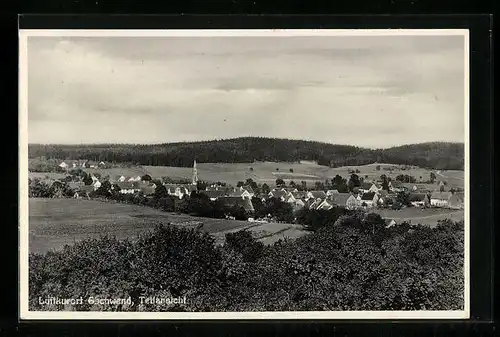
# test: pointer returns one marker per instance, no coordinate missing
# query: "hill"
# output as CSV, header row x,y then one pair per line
x,y
435,155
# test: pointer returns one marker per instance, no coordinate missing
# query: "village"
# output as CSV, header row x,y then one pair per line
x,y
366,195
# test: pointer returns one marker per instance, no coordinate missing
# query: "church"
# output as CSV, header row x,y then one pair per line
x,y
182,190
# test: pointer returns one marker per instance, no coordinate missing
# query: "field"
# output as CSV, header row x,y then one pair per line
x,y
268,172
265,172
46,175
56,222
428,216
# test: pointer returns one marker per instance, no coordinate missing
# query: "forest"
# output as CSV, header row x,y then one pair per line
x,y
434,155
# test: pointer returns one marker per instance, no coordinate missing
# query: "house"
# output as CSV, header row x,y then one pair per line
x,y
389,223
440,199
340,199
237,202
63,165
331,192
129,187
289,198
180,190
316,195
353,202
299,195
96,184
456,201
369,199
396,186
102,163
291,189
316,204
365,186
373,188
213,194
239,193
299,204
278,194
325,205
419,200
122,179
248,189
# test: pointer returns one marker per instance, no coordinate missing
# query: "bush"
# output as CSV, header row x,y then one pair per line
x,y
244,243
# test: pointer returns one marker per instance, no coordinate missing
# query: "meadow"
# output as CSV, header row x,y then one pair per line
x,y
56,222
268,172
428,216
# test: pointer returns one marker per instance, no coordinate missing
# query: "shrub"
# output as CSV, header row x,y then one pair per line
x,y
244,243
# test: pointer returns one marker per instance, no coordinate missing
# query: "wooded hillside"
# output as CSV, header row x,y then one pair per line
x,y
436,155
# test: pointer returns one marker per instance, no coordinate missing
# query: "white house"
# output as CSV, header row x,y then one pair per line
x,y
97,184
63,165
440,199
373,189
369,200
122,179
352,202
316,195
325,205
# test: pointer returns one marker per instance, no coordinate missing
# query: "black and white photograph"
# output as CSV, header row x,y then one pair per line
x,y
244,174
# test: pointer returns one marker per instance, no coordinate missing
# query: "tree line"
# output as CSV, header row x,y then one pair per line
x,y
438,155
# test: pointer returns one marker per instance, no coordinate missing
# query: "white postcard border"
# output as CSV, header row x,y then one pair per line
x,y
25,314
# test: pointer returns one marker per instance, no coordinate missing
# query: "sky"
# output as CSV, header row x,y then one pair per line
x,y
369,91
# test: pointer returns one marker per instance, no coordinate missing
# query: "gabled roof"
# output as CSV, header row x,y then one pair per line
x,y
129,185
316,203
441,195
418,197
234,194
237,201
299,194
455,199
278,193
332,192
341,198
368,196
213,194
318,194
325,205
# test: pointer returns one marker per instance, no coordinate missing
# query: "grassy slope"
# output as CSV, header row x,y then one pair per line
x,y
56,222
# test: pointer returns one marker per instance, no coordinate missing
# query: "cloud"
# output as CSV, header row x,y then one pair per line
x,y
364,91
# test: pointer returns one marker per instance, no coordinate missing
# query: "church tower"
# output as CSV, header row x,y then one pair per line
x,y
195,174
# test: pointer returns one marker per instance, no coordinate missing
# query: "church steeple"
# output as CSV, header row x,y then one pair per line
x,y
195,174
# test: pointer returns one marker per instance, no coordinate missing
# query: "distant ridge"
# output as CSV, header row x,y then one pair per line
x,y
434,155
